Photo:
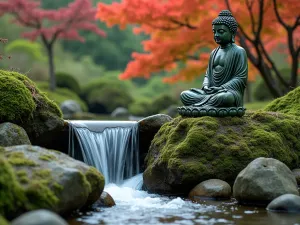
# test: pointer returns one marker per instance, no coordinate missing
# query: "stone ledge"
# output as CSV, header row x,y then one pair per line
x,y
192,111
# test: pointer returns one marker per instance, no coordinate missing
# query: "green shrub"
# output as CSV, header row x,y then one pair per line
x,y
62,94
140,108
65,80
103,95
108,98
161,102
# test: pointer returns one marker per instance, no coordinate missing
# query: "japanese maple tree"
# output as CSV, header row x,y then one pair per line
x,y
51,25
179,30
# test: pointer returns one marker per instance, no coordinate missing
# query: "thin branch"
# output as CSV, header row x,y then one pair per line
x,y
280,20
193,57
163,27
240,28
297,23
186,24
272,64
249,7
261,18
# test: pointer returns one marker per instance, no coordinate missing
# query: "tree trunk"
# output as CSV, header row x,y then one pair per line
x,y
294,80
52,80
248,92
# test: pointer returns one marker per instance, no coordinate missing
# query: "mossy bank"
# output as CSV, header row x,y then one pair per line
x,y
22,103
187,151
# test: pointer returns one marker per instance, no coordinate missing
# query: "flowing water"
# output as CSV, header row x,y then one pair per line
x,y
137,207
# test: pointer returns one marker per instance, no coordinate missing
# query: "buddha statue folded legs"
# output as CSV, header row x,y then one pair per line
x,y
226,75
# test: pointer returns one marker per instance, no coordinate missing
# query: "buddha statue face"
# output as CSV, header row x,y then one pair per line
x,y
222,34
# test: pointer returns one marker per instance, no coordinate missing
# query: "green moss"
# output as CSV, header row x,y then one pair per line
x,y
57,187
47,157
290,103
19,159
40,195
24,104
204,148
16,100
96,182
22,176
95,178
11,193
3,221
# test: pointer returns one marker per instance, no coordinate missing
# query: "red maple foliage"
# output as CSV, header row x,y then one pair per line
x,y
180,30
51,25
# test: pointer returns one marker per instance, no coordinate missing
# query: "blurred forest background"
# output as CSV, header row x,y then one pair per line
x,y
89,72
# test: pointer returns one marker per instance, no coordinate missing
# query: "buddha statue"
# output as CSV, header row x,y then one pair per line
x,y
226,75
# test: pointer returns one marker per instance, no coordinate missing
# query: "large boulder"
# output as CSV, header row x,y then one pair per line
x,y
148,127
25,105
187,151
263,180
33,177
12,134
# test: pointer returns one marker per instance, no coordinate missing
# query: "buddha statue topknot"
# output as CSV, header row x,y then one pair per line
x,y
226,76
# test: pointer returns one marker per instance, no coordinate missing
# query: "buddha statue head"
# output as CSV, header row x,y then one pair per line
x,y
224,28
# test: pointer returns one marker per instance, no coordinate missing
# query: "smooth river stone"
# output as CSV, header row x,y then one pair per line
x,y
213,188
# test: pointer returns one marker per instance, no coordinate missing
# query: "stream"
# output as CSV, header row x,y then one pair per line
x,y
137,207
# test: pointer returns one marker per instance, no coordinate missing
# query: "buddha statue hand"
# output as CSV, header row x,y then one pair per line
x,y
214,89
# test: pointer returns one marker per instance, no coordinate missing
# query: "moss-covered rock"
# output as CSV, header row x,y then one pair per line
x,y
17,103
40,117
289,103
187,151
30,182
12,134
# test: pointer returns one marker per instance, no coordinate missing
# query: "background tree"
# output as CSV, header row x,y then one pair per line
x,y
112,52
180,36
51,25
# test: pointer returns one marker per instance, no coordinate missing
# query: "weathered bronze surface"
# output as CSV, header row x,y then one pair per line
x,y
225,79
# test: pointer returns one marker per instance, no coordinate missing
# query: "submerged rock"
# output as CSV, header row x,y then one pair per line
x,y
34,177
39,217
263,180
187,151
285,203
12,134
105,200
213,188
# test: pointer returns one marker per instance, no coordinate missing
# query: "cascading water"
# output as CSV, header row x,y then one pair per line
x,y
110,146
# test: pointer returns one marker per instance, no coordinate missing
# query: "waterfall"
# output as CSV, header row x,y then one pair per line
x,y
110,146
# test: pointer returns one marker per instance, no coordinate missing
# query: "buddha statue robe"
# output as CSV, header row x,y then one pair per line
x,y
231,78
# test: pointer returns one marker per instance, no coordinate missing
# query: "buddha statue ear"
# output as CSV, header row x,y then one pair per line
x,y
232,38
